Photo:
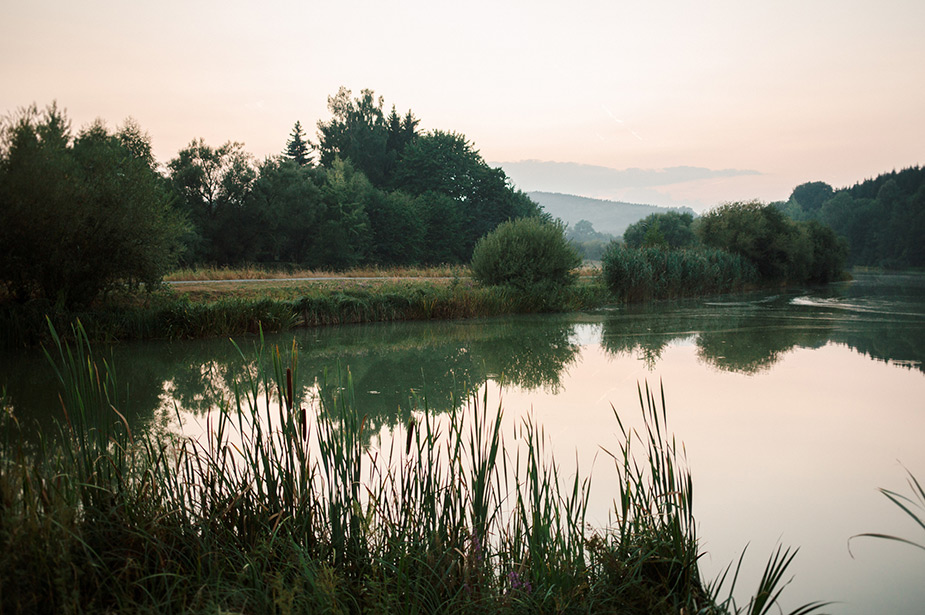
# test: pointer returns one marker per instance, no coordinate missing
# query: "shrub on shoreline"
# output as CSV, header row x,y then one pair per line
x,y
529,255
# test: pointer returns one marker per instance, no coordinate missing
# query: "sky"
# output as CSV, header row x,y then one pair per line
x,y
714,100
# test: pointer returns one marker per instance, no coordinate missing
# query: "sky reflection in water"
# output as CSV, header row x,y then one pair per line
x,y
794,407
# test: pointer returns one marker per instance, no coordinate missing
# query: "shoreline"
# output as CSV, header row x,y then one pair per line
x,y
194,308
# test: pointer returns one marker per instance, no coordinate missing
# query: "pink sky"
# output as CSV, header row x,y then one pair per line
x,y
797,91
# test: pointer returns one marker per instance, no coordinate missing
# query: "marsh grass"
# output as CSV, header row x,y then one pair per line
x,y
282,508
641,274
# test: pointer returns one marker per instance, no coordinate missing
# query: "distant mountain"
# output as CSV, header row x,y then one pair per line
x,y
606,216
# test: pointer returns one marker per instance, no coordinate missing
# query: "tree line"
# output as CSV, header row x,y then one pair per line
x,y
373,189
883,219
84,213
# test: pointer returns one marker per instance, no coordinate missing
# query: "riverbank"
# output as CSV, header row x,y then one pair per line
x,y
240,301
213,302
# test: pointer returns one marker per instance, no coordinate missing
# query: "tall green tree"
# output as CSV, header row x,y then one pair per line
x,y
397,230
444,229
286,206
829,252
212,184
446,163
359,131
402,132
298,149
356,132
343,231
80,215
811,196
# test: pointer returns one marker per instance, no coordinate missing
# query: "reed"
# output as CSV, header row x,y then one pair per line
x,y
642,274
273,511
912,506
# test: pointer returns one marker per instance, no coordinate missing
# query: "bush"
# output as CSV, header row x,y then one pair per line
x,y
80,216
781,249
762,234
529,255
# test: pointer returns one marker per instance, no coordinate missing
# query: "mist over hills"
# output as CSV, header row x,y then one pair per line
x,y
611,217
660,187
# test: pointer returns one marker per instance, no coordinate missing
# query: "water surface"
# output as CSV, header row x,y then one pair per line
x,y
794,407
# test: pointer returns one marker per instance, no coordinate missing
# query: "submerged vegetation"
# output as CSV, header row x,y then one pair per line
x,y
276,511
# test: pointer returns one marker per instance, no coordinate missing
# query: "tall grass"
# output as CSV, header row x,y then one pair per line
x,y
172,316
285,271
640,274
913,506
274,511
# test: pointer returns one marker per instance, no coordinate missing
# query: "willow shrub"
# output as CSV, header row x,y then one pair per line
x,y
530,256
638,274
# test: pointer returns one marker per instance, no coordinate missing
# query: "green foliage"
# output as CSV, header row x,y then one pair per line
x,y
212,186
80,216
671,230
446,163
529,255
640,274
754,230
359,131
297,148
811,196
285,208
398,229
829,252
781,249
444,222
882,219
343,232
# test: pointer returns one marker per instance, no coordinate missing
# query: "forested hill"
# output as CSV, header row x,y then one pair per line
x,y
883,218
611,217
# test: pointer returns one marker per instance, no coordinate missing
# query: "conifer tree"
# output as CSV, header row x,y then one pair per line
x,y
297,148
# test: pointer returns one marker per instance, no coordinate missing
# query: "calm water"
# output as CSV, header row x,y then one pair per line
x,y
793,407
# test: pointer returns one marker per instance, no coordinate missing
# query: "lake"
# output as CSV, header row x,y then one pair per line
x,y
794,406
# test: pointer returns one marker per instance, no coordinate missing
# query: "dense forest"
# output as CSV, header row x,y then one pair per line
x,y
83,213
371,189
883,219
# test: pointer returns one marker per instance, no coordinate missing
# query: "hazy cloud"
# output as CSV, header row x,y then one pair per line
x,y
574,178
